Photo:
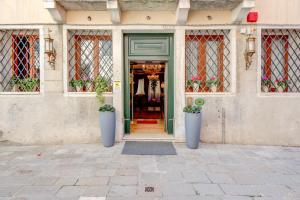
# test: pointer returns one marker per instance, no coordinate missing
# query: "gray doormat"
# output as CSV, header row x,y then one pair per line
x,y
148,148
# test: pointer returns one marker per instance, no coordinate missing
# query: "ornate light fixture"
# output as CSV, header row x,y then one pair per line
x,y
153,77
250,44
250,50
49,49
151,68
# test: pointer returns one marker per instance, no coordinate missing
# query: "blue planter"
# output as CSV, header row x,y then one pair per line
x,y
192,129
108,128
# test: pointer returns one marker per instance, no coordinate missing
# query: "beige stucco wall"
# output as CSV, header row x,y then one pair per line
x,y
32,11
55,118
278,11
249,118
23,12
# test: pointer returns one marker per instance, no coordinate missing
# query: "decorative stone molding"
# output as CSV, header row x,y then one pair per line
x,y
240,12
182,11
115,11
57,12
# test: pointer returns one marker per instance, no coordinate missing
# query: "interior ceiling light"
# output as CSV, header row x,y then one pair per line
x,y
151,69
153,77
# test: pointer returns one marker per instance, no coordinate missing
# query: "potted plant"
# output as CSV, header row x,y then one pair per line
x,y
107,118
101,85
88,85
15,84
266,84
281,85
213,84
107,121
77,85
189,85
193,123
29,84
196,83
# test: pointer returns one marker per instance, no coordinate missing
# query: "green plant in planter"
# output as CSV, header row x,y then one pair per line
x,y
282,83
199,102
101,85
15,82
213,81
76,84
106,108
88,85
193,121
189,84
192,109
107,115
266,81
29,84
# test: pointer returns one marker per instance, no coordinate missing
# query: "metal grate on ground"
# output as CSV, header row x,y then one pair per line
x,y
89,60
207,61
280,60
19,60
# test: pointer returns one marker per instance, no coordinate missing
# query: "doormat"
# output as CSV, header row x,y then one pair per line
x,y
142,121
148,115
148,148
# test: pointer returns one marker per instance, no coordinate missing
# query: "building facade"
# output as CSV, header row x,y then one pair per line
x,y
151,56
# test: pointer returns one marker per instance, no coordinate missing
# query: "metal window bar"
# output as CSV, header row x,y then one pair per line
x,y
19,60
207,61
89,60
280,60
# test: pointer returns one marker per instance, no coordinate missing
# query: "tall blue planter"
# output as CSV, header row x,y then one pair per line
x,y
192,129
107,121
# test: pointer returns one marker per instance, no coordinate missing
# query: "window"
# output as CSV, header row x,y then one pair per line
x,y
19,61
89,59
207,61
280,58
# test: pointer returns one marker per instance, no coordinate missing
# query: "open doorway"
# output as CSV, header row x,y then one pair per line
x,y
147,96
148,85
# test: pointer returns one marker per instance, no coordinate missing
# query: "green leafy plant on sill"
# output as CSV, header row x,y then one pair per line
x,y
76,83
213,81
189,83
14,81
266,81
195,108
101,85
106,108
282,83
29,84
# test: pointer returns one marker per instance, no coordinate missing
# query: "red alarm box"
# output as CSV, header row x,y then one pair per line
x,y
252,17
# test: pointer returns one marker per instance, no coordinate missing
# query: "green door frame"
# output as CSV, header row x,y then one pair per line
x,y
167,55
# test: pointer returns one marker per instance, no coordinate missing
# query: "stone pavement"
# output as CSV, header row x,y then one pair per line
x,y
212,172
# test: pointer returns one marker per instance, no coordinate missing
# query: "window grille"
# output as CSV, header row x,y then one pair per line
x,y
207,61
280,60
89,60
19,60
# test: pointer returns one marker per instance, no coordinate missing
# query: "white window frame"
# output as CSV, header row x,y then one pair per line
x,y
65,60
233,62
42,59
259,70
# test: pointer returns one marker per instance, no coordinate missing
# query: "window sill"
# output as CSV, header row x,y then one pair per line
x,y
277,94
86,94
209,94
20,94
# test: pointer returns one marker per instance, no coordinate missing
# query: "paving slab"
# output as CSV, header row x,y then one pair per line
x,y
208,189
92,181
212,172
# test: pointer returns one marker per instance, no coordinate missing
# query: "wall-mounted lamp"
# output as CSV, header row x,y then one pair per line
x,y
250,50
250,45
49,49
